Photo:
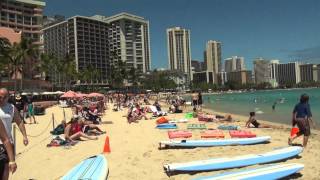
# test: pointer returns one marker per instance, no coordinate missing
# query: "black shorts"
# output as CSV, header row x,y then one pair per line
x,y
4,159
255,124
303,125
194,102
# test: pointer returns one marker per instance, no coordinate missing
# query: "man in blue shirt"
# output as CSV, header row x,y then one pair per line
x,y
301,117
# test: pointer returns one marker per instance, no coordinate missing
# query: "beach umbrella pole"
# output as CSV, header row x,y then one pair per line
x,y
64,115
52,121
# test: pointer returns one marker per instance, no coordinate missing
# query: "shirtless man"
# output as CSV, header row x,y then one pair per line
x,y
195,99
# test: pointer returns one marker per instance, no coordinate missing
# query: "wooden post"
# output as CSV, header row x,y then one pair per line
x,y
64,115
52,121
14,139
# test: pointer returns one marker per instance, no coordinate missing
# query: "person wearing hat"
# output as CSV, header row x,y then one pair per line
x,y
20,104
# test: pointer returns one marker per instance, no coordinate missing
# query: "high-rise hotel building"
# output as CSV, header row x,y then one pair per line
x,y
234,63
129,38
23,15
99,41
261,70
179,52
212,58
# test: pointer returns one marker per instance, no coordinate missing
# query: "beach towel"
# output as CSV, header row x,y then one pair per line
x,y
188,115
228,127
206,117
157,113
241,134
58,141
179,121
196,126
179,134
212,134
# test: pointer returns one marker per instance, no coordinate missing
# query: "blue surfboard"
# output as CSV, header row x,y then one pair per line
x,y
233,162
276,171
167,126
93,168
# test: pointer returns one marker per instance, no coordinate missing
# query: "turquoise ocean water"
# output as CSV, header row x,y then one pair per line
x,y
261,102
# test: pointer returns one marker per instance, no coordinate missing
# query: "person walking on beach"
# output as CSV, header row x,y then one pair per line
x,y
8,115
31,110
195,98
6,153
301,116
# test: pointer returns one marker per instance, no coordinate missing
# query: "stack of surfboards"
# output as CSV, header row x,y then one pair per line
x,y
268,172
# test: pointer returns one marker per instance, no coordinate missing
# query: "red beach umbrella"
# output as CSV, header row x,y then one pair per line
x,y
69,94
95,95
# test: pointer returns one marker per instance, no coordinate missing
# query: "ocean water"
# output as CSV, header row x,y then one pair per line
x,y
261,102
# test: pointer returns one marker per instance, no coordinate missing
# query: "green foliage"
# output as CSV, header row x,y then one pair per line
x,y
159,81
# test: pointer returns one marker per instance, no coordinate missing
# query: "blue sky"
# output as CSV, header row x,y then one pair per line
x,y
274,29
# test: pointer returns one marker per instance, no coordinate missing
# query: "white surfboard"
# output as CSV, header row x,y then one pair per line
x,y
276,171
93,168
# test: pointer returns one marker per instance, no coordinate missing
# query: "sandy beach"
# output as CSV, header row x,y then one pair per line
x,y
134,149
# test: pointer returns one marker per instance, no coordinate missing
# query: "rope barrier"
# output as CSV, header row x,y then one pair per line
x,y
42,132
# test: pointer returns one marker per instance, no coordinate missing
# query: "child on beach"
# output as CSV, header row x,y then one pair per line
x,y
301,116
252,120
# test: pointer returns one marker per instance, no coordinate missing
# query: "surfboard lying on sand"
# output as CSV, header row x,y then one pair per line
x,y
233,162
93,168
178,121
166,126
215,142
267,172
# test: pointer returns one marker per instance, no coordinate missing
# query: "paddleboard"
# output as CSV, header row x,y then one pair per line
x,y
167,126
233,162
215,142
267,172
178,121
93,168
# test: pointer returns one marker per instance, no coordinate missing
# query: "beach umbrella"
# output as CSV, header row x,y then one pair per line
x,y
80,95
69,94
95,95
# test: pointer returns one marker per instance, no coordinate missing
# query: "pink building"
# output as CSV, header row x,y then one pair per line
x,y
10,34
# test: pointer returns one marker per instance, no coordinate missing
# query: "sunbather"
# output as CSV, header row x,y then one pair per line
x,y
252,120
73,131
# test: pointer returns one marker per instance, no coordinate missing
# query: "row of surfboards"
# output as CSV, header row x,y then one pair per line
x,y
275,171
96,167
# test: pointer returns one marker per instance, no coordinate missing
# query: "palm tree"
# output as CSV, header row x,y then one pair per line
x,y
15,57
118,71
4,46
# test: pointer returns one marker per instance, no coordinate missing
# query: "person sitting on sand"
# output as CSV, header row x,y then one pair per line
x,y
252,120
301,116
157,105
73,131
139,112
131,115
